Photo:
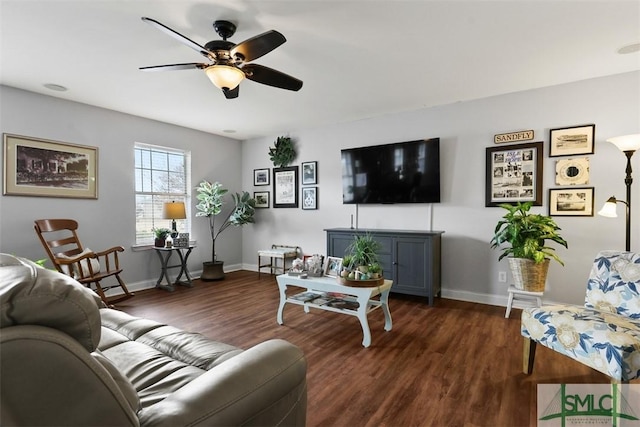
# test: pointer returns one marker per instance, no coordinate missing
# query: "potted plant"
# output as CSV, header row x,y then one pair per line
x,y
210,201
360,255
160,236
526,234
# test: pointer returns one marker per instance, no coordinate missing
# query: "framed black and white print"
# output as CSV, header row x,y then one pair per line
x,y
261,177
41,167
514,174
285,187
262,199
309,173
572,140
571,201
309,197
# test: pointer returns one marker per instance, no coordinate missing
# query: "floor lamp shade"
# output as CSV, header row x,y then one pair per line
x,y
628,144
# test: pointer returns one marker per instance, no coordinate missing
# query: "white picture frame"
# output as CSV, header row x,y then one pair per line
x,y
332,266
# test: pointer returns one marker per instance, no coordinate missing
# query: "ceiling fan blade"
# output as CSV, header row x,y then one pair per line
x,y
231,93
257,46
182,39
271,77
172,67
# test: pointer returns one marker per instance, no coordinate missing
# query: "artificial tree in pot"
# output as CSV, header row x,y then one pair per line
x,y
527,233
210,201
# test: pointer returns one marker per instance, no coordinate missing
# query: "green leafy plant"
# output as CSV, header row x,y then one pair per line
x,y
363,250
526,233
283,153
347,262
161,233
210,201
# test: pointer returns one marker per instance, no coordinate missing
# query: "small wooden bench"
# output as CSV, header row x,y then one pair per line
x,y
283,252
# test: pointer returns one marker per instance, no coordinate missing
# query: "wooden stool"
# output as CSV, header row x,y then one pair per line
x,y
520,294
276,252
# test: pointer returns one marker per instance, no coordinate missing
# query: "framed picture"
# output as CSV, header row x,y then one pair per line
x,y
309,173
262,199
261,177
40,167
309,197
285,187
572,140
514,174
571,201
333,266
572,171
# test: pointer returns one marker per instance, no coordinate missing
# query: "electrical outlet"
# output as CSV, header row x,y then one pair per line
x,y
502,276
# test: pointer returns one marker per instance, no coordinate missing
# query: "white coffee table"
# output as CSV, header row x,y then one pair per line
x,y
363,296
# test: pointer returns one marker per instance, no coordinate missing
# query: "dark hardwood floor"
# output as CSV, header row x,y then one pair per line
x,y
453,364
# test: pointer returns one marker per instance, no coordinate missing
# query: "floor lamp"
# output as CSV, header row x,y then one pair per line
x,y
628,144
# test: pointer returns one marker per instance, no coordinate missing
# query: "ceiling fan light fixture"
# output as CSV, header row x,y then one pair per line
x,y
224,76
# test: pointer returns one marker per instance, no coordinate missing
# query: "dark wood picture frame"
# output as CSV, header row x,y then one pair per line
x,y
514,174
572,201
571,141
285,187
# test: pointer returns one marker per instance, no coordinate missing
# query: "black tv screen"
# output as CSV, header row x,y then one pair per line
x,y
404,172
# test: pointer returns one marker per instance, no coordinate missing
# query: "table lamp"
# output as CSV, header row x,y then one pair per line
x,y
628,144
174,210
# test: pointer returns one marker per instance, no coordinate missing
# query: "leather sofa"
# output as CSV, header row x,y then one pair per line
x,y
67,360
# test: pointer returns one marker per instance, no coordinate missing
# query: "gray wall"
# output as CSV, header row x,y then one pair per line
x,y
469,267
109,220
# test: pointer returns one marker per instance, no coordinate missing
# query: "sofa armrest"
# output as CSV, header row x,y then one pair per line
x,y
264,385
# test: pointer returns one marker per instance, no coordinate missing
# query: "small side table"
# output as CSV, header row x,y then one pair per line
x,y
164,254
520,294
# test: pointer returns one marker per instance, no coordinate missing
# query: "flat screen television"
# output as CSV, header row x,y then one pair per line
x,y
404,172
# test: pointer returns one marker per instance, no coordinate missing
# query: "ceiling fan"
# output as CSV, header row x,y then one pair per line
x,y
229,60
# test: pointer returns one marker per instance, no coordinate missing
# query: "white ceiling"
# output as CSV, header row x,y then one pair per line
x,y
358,59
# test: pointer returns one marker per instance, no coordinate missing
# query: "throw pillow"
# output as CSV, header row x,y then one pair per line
x,y
73,272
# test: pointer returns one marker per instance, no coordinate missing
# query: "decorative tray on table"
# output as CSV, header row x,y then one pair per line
x,y
369,283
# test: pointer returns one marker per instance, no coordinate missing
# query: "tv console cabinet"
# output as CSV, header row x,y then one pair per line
x,y
410,258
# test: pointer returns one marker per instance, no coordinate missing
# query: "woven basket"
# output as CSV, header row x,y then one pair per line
x,y
527,275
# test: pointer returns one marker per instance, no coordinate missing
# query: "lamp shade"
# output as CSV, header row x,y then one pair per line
x,y
224,76
609,208
626,142
174,210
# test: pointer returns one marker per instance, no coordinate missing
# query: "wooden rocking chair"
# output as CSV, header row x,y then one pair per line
x,y
60,240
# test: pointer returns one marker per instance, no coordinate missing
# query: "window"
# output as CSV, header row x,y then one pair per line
x,y
162,175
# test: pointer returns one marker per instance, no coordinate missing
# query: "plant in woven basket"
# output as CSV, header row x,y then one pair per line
x,y
526,233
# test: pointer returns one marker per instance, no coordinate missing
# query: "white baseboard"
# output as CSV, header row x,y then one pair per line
x,y
499,300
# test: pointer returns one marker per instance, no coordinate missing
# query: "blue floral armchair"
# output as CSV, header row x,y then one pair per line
x,y
605,333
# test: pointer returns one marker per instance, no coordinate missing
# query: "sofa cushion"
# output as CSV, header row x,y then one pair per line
x,y
31,295
121,381
72,270
187,347
156,358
